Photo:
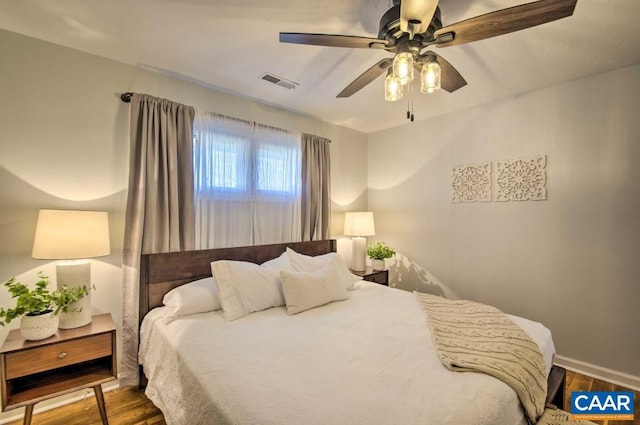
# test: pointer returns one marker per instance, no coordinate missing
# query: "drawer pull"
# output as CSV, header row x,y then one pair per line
x,y
62,355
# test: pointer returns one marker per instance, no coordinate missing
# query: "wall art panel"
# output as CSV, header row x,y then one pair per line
x,y
521,179
472,183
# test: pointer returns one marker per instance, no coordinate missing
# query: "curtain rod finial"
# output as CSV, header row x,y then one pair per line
x,y
126,97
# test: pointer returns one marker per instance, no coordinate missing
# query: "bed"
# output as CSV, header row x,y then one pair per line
x,y
368,359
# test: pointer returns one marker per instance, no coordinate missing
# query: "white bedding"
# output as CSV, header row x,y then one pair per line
x,y
366,360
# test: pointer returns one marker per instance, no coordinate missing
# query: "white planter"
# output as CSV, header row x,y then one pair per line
x,y
38,327
377,264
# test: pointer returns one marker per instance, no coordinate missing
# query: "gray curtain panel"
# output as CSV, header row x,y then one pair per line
x,y
316,188
159,215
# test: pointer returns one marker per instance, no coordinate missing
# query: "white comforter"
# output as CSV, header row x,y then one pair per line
x,y
368,360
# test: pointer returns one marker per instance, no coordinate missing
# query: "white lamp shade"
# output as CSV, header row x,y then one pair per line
x,y
66,235
359,224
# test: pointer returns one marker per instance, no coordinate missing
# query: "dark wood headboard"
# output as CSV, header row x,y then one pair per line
x,y
160,273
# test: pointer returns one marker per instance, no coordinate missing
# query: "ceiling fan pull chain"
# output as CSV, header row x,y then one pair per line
x,y
411,100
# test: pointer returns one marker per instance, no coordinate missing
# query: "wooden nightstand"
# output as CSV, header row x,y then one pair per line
x,y
377,276
71,360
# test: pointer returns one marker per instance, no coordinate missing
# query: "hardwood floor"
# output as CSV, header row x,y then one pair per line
x,y
129,406
126,406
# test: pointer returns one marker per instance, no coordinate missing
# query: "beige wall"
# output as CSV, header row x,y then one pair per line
x,y
65,139
572,261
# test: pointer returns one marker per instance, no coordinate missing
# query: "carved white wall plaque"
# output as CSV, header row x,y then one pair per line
x,y
472,183
521,179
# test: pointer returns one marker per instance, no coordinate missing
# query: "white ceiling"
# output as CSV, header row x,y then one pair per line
x,y
230,44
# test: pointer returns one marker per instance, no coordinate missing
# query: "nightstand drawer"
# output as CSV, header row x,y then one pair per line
x,y
377,276
380,277
52,356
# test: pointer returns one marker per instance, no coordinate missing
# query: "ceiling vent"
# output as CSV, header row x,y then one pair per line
x,y
279,81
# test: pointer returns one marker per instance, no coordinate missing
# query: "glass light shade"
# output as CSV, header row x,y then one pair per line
x,y
430,78
392,89
359,224
67,235
403,67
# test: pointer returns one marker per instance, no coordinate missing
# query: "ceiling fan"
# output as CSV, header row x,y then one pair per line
x,y
410,27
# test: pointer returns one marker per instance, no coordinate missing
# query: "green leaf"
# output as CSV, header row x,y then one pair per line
x,y
380,251
39,299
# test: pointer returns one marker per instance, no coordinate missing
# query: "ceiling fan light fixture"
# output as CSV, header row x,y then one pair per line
x,y
392,88
403,67
430,77
411,26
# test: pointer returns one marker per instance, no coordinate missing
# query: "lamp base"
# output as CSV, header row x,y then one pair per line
x,y
358,250
74,274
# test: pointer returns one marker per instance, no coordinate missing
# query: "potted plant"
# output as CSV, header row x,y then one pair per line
x,y
38,308
378,253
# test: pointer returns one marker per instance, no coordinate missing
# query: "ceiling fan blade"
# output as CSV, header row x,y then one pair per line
x,y
505,21
366,77
332,40
450,78
415,15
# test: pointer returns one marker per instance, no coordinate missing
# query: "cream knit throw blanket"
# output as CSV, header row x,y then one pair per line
x,y
469,336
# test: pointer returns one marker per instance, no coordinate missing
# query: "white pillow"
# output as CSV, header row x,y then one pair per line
x,y
303,291
198,296
279,263
246,287
305,263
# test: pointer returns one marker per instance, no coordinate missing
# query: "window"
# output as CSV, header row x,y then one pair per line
x,y
247,183
219,161
274,171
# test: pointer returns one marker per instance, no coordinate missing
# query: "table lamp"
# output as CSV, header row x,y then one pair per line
x,y
73,236
359,225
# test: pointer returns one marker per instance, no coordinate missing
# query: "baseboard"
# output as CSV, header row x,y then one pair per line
x,y
18,414
615,377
